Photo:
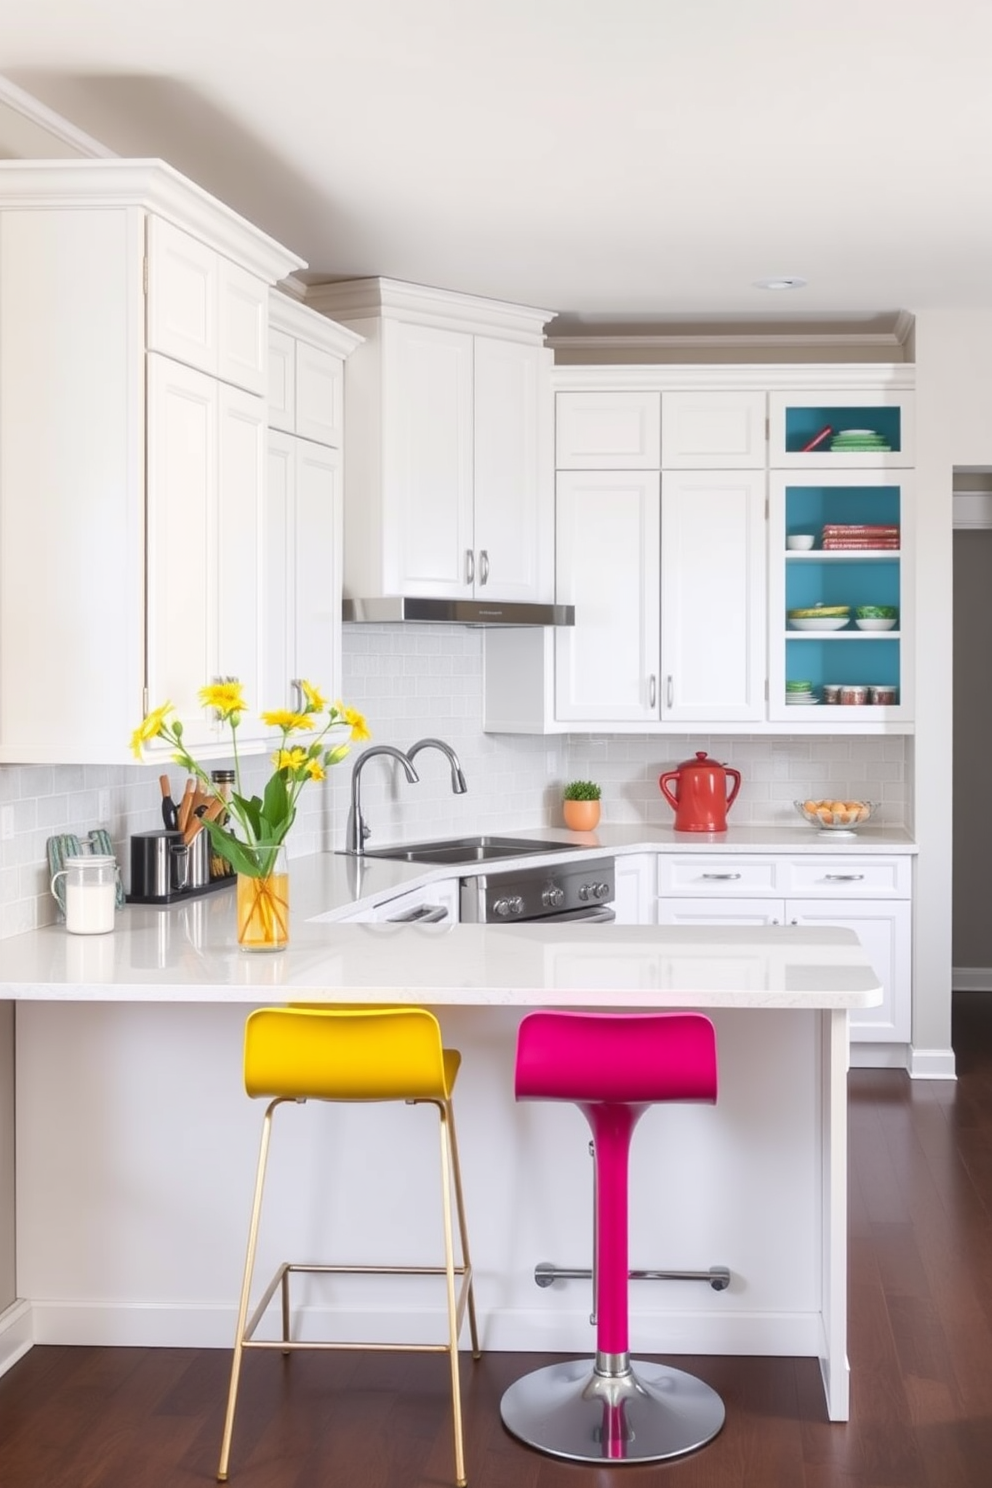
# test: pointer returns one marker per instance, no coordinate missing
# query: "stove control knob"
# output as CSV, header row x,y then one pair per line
x,y
600,890
512,905
585,892
553,897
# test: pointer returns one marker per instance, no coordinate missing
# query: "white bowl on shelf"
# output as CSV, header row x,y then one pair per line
x,y
876,624
828,622
800,542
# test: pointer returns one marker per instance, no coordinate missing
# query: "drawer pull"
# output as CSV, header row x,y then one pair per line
x,y
843,877
721,876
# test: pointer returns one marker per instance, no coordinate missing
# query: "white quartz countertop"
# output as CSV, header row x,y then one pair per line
x,y
188,953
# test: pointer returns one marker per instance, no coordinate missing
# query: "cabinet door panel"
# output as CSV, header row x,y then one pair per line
x,y
182,296
428,529
318,549
608,431
236,587
713,431
712,598
319,395
606,666
277,556
721,912
282,382
182,539
514,517
243,332
884,931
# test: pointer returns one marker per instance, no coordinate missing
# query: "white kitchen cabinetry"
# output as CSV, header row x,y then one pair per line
x,y
448,471
302,550
803,416
608,431
123,582
867,893
635,901
703,430
204,310
431,904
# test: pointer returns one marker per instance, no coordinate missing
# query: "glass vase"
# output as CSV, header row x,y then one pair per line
x,y
263,902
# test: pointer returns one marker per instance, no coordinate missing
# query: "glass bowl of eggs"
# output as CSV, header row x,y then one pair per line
x,y
836,816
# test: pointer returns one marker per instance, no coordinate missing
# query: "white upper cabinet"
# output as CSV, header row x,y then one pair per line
x,y
605,430
141,474
713,431
607,664
713,597
448,471
204,310
307,353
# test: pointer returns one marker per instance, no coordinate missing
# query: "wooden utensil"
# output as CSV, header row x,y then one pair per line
x,y
186,805
195,824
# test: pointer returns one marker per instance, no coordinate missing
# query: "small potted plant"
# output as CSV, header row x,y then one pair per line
x,y
580,803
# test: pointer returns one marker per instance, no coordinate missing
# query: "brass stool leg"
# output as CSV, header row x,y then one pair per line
x,y
232,1397
449,1266
463,1231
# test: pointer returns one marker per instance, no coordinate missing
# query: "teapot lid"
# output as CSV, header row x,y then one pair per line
x,y
702,761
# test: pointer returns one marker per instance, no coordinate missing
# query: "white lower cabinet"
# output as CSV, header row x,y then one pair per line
x,y
431,904
636,888
869,895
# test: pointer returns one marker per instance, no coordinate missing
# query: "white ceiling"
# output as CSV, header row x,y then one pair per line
x,y
615,160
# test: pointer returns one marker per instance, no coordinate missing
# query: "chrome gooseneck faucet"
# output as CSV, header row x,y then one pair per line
x,y
358,828
458,785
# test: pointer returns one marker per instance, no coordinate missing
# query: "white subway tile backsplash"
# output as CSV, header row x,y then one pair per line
x,y
412,682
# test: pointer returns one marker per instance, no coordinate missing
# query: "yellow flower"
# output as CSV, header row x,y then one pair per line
x,y
149,728
351,716
225,697
316,702
289,759
315,769
285,718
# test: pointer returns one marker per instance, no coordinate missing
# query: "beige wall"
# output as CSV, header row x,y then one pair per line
x,y
954,427
7,1277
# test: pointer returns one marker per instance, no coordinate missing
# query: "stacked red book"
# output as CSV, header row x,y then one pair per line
x,y
859,535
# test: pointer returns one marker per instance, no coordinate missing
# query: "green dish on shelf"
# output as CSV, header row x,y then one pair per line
x,y
876,612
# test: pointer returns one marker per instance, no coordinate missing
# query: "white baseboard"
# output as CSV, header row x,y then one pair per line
x,y
920,1064
879,1056
16,1334
971,978
932,1064
532,1331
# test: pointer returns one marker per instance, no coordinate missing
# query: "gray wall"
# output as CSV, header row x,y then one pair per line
x,y
972,899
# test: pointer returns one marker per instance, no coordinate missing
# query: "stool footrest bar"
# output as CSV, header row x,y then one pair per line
x,y
717,1276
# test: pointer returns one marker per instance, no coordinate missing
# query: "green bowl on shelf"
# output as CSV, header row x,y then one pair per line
x,y
876,612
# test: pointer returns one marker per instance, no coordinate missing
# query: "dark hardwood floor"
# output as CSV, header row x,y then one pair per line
x,y
920,1347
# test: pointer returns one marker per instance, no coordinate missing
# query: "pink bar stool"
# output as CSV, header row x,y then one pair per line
x,y
613,1066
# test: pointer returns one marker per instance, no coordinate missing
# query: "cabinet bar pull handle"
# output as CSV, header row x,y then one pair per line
x,y
669,692
843,877
469,566
721,875
652,691
483,566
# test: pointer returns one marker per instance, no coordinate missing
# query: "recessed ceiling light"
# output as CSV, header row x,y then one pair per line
x,y
791,281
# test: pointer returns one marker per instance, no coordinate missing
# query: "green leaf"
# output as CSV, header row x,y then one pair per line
x,y
249,811
276,805
241,858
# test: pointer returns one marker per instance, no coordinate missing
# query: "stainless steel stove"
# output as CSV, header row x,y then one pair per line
x,y
560,892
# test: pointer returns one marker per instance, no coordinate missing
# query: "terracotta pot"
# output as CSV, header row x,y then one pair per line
x,y
581,816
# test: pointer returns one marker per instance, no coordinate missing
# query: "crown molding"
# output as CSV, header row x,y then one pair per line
x,y
355,300
157,187
306,324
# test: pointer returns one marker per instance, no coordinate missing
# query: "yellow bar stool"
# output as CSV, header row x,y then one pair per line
x,y
350,1054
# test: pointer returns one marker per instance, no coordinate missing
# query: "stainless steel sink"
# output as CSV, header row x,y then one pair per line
x,y
457,850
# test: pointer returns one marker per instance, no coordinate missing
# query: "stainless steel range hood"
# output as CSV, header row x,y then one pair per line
x,y
395,609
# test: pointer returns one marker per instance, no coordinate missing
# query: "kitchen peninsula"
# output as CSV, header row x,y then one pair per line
x,y
136,1142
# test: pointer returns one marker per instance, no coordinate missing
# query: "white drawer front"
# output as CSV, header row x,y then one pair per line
x,y
849,877
705,873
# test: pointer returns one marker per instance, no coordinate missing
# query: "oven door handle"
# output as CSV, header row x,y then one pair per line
x,y
423,914
595,914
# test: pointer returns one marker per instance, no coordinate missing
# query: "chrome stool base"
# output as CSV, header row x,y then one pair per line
x,y
642,1412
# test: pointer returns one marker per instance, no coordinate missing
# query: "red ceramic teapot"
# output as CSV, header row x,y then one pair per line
x,y
701,801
